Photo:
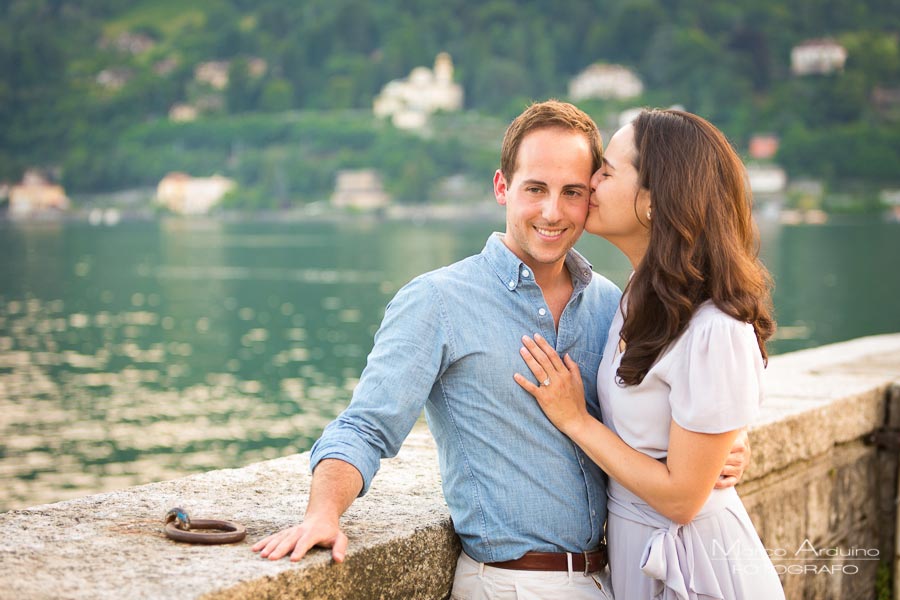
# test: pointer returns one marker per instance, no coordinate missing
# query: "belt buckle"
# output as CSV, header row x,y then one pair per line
x,y
586,563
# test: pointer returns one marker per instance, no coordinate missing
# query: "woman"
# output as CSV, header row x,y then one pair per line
x,y
681,371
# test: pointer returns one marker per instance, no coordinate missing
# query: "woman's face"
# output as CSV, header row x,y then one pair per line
x,y
618,206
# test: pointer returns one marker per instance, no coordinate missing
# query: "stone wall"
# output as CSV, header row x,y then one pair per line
x,y
821,496
815,485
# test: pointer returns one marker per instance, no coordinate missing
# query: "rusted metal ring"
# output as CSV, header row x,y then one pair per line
x,y
233,532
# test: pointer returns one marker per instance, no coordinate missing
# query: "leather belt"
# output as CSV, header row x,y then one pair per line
x,y
586,562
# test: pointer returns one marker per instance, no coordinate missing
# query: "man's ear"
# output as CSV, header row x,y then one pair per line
x,y
500,188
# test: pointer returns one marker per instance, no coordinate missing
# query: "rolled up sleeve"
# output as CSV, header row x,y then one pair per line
x,y
411,351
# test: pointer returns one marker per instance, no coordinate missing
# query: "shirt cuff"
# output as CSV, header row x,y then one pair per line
x,y
348,452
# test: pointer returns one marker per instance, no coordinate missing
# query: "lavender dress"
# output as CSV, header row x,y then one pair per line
x,y
708,381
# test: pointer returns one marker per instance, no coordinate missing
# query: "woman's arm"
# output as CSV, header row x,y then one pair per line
x,y
678,488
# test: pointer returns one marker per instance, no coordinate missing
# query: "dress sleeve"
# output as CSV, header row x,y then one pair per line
x,y
716,377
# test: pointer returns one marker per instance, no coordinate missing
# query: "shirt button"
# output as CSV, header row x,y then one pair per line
x,y
525,273
542,312
511,284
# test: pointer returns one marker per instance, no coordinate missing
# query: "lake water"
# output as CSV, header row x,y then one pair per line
x,y
150,350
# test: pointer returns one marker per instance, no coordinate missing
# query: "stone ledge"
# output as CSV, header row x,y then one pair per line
x,y
401,541
821,397
112,546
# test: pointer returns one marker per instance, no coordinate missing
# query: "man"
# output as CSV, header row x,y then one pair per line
x,y
529,506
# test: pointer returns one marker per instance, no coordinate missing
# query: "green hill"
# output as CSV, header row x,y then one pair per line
x,y
87,87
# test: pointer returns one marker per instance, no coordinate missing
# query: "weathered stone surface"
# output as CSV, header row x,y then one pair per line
x,y
812,479
805,512
893,405
820,397
112,546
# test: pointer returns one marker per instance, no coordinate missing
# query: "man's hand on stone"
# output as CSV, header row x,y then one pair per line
x,y
736,463
335,484
297,540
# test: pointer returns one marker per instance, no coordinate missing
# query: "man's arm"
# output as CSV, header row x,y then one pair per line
x,y
410,352
335,485
736,463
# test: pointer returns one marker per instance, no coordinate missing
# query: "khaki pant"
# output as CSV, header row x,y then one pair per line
x,y
475,581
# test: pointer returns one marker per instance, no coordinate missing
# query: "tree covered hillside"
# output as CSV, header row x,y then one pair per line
x,y
88,86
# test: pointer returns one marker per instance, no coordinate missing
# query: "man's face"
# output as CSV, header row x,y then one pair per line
x,y
547,199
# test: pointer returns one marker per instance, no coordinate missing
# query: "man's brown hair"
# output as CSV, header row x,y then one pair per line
x,y
542,115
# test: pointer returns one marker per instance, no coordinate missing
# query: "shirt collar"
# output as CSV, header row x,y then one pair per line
x,y
511,270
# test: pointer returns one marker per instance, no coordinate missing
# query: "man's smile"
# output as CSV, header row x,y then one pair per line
x,y
548,233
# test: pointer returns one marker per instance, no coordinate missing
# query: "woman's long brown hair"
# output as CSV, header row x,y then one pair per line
x,y
703,242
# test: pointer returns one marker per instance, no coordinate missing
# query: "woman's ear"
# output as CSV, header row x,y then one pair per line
x,y
644,204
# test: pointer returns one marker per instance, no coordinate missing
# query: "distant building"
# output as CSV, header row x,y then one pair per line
x,y
183,113
766,179
214,73
409,102
360,189
890,197
114,78
817,57
605,82
35,195
188,195
763,146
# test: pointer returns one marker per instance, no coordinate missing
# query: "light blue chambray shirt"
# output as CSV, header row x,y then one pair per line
x,y
450,342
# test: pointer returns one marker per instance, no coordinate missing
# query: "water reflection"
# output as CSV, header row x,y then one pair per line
x,y
148,351
105,400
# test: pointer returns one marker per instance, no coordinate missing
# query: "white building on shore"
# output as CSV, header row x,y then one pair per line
x,y
188,195
409,102
35,196
818,57
213,73
360,189
605,82
766,179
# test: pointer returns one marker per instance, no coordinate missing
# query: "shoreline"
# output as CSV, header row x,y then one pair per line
x,y
312,213
416,214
